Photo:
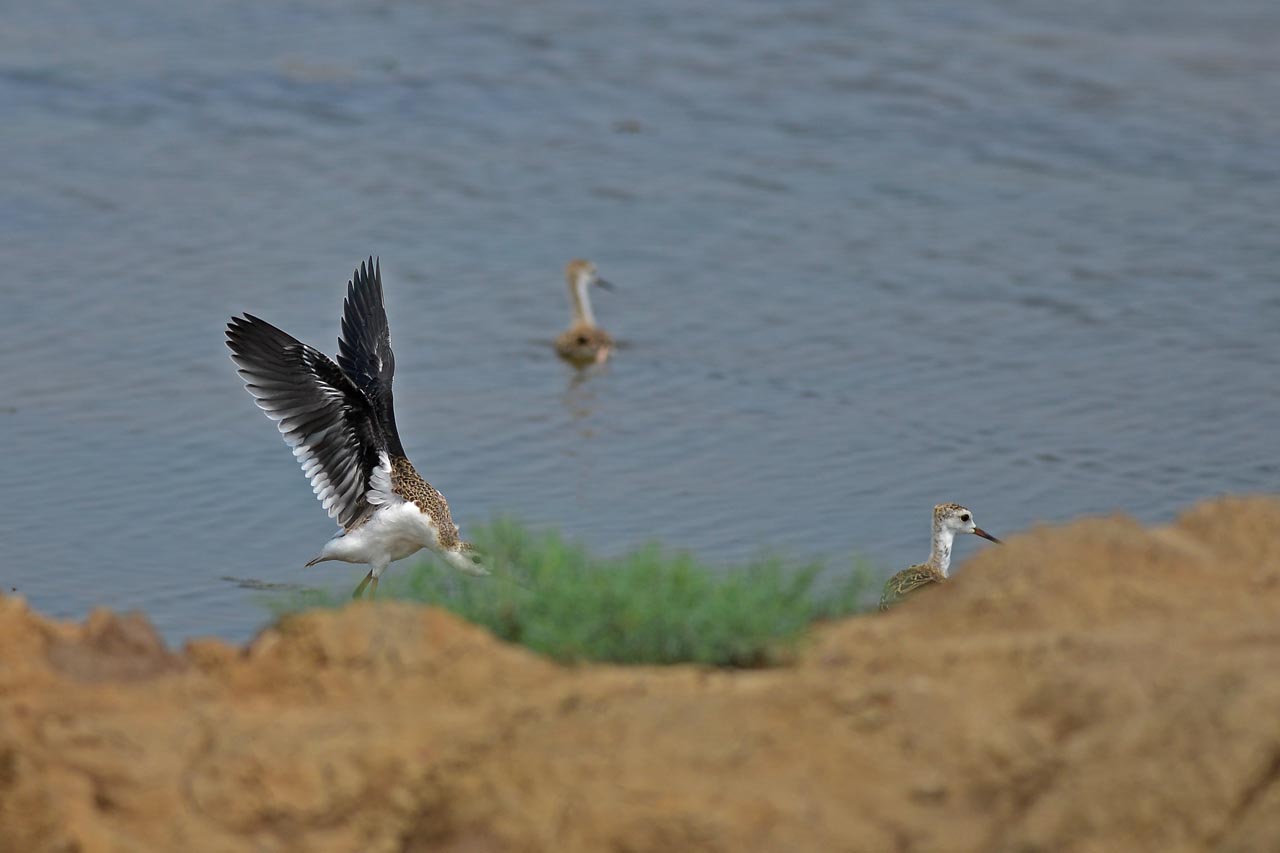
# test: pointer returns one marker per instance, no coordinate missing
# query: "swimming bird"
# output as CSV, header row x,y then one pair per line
x,y
948,520
583,342
341,424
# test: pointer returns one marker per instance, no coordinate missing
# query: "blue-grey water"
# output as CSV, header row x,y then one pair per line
x,y
871,256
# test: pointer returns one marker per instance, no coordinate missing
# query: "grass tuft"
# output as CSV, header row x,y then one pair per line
x,y
650,606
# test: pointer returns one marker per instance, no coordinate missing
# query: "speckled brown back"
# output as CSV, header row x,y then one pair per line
x,y
908,581
408,484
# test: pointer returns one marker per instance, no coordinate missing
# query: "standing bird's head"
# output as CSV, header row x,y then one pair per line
x,y
954,518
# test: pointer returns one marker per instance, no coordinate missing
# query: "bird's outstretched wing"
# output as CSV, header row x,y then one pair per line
x,y
323,416
906,582
364,348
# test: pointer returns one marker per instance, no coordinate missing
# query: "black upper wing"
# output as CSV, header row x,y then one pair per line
x,y
326,419
364,348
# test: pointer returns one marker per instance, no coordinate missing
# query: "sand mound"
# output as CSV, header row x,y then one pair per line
x,y
1098,686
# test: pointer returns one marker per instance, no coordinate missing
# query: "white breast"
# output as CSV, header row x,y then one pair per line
x,y
393,533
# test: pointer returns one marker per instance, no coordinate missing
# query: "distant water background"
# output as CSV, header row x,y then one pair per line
x,y
871,256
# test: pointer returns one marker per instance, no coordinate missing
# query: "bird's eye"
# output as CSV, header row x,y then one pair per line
x,y
964,516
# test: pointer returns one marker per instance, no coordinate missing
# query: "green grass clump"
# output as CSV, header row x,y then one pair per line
x,y
649,606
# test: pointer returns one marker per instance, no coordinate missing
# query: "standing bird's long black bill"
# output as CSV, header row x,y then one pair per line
x,y
606,285
978,531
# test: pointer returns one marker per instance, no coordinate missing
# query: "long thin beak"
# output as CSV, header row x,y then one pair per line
x,y
607,285
978,531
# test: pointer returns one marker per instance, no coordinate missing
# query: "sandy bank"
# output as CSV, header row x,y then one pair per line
x,y
1098,686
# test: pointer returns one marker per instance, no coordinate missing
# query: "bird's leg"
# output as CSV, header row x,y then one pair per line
x,y
373,590
360,589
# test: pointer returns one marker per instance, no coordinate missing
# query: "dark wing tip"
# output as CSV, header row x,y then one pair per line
x,y
364,345
367,279
245,321
248,330
238,328
364,302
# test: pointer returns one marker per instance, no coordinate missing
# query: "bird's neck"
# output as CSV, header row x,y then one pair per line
x,y
940,556
580,301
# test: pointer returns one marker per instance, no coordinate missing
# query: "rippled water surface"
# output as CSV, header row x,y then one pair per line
x,y
871,256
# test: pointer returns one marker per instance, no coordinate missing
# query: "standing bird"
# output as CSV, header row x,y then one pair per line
x,y
583,342
339,420
948,520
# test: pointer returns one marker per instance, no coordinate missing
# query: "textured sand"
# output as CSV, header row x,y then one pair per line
x,y
1099,686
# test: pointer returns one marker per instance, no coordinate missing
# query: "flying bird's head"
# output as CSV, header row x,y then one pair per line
x,y
465,558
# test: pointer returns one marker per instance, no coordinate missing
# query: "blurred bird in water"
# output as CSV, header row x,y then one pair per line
x,y
584,342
